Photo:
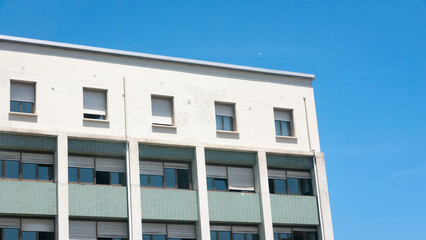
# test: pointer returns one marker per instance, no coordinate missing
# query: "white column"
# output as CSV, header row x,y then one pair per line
x,y
135,191
200,185
266,231
61,178
324,201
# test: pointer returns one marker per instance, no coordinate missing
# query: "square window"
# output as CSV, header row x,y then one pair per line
x,y
29,171
280,186
220,184
225,120
11,169
86,175
156,181
95,106
103,178
45,172
283,122
162,110
144,180
29,235
11,234
22,97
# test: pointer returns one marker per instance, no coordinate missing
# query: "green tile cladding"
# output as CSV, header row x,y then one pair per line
x,y
234,207
230,157
169,204
27,142
27,197
92,147
288,209
166,152
289,161
97,201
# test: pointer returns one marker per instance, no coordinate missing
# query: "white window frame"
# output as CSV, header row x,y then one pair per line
x,y
234,116
34,84
292,125
172,101
105,92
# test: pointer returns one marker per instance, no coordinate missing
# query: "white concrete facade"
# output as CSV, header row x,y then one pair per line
x,y
60,74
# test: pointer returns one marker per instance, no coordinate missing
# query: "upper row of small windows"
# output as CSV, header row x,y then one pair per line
x,y
22,99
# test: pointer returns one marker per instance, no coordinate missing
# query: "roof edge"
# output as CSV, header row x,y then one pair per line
x,y
29,41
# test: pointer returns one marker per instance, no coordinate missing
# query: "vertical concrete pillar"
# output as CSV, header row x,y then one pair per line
x,y
61,178
200,185
324,201
135,220
266,231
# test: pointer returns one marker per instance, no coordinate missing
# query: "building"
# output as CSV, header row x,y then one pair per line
x,y
105,144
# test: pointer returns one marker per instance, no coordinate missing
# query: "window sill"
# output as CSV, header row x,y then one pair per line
x,y
286,137
23,114
227,132
163,126
95,120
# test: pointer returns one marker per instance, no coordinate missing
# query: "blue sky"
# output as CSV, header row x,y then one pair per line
x,y
369,58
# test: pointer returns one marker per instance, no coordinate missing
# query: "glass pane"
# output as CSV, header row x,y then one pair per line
x,y
183,178
122,180
46,236
170,176
15,106
293,186
299,236
156,181
94,116
72,174
280,186
1,172
213,235
278,128
158,237
11,169
143,180
219,122
28,171
228,123
115,178
210,183
306,186
45,172
312,236
255,237
271,186
276,236
285,236
103,178
286,128
11,234
238,236
27,107
220,184
86,175
146,236
224,236
29,236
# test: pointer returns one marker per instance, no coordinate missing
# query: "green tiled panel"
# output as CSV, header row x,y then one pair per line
x,y
27,142
166,152
234,207
24,197
288,209
288,161
169,204
97,201
91,147
230,157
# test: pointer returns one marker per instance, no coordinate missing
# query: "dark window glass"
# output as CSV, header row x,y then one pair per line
x,y
286,128
29,235
46,236
228,123
210,183
146,236
299,236
86,175
212,235
312,236
280,186
219,122
252,236
144,180
156,181
158,237
45,172
103,178
220,184
94,116
118,178
276,235
285,236
238,236
122,179
183,178
15,106
293,186
1,231
271,185
11,234
306,187
170,177
278,128
11,169
29,171
224,235
72,174
27,107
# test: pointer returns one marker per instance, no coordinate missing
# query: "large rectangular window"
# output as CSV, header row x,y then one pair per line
x,y
22,97
162,110
94,170
104,230
157,231
27,229
287,233
290,182
225,116
283,122
234,233
226,178
95,104
164,174
26,166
